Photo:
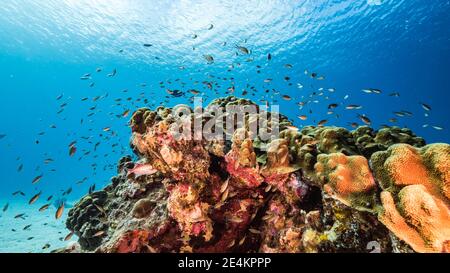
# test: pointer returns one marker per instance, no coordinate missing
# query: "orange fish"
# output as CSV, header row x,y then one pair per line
x,y
59,212
34,198
68,236
125,114
286,97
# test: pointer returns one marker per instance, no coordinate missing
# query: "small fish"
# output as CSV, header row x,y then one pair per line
x,y
269,56
102,210
72,150
425,106
48,160
126,113
353,107
376,91
286,97
242,240
332,106
34,198
18,192
372,90
91,189
364,119
353,124
68,236
27,227
47,245
243,49
395,94
194,36
44,207
5,208
37,179
209,58
235,219
322,122
210,26
439,128
224,186
59,211
2,136
254,231
148,45
142,169
407,113
289,66
99,233
113,73
20,215
303,117
224,195
230,245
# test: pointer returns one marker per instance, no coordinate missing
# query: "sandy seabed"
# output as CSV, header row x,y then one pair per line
x,y
44,229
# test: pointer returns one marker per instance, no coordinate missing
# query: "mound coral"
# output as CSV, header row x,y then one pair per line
x,y
348,179
415,198
318,189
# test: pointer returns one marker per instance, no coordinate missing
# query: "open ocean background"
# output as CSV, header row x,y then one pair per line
x,y
46,46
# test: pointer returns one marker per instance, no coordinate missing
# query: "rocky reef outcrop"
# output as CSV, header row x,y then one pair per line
x,y
315,189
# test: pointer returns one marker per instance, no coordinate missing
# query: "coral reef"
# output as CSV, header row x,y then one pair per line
x,y
318,189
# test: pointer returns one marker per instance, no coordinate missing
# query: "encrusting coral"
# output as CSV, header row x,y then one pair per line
x,y
315,189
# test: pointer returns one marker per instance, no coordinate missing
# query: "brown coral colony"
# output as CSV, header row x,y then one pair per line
x,y
318,189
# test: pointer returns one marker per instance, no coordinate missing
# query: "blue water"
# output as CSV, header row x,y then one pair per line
x,y
46,46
